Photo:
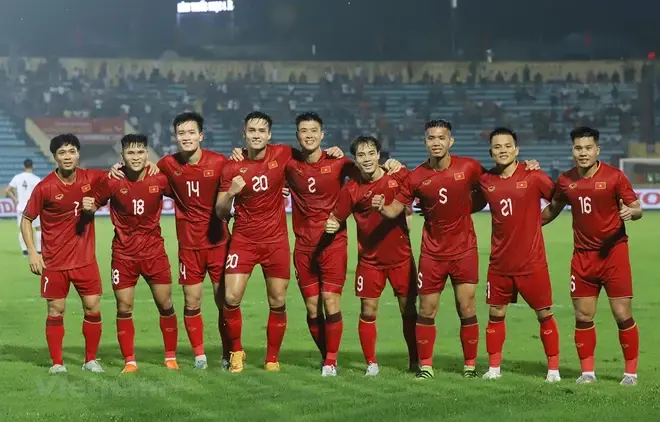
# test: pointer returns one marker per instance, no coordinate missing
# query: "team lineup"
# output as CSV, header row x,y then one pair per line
x,y
326,188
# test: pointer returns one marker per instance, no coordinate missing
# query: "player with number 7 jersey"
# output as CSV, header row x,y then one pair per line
x,y
194,176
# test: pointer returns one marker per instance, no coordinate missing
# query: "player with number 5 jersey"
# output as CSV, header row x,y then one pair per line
x,y
517,258
602,200
68,247
138,248
194,176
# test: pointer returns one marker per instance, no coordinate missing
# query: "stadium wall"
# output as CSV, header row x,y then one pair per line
x,y
650,199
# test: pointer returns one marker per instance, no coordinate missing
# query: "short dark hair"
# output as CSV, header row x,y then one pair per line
x,y
258,115
503,131
188,116
364,140
585,132
438,123
28,164
134,139
309,116
64,139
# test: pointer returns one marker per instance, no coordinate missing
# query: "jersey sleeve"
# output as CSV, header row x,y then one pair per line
x,y
14,182
406,194
225,180
558,194
165,185
35,204
545,184
624,189
162,164
102,193
344,205
401,175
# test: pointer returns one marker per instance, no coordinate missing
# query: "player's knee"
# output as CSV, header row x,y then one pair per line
x,y
312,306
276,299
428,309
56,308
369,308
124,307
164,303
621,310
466,308
497,311
543,313
331,302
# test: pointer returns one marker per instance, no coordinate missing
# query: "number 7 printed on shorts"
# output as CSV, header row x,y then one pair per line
x,y
45,283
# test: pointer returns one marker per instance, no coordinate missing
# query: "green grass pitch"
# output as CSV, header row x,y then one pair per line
x,y
298,393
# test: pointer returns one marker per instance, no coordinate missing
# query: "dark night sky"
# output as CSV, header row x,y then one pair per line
x,y
342,24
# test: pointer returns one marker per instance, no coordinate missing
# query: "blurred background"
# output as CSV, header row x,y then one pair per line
x,y
103,69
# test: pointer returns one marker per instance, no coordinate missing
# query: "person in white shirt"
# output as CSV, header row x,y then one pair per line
x,y
19,190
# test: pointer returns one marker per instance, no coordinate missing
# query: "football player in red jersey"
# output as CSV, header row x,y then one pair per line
x,y
445,185
517,258
138,248
384,251
602,200
68,248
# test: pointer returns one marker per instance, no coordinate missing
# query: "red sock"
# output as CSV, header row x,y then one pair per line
x,y
54,338
334,328
126,336
224,336
550,337
470,340
234,323
495,336
317,330
629,340
91,329
368,334
409,323
169,327
275,332
585,342
425,333
192,319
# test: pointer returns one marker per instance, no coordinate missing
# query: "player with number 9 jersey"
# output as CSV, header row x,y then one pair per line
x,y
203,237
138,247
68,235
259,234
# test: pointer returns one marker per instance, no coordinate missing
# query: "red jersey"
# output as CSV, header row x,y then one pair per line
x,y
445,197
382,242
68,238
135,209
516,245
314,191
594,204
259,211
195,189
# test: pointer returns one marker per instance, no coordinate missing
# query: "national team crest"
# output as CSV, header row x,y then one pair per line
x,y
153,189
368,194
243,169
272,165
491,188
459,176
392,184
59,196
123,191
426,182
208,173
86,188
326,170
521,185
601,185
572,186
177,173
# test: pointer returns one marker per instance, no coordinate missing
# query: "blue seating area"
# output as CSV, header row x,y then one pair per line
x,y
14,150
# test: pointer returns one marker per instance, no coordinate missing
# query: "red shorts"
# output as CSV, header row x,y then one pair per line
x,y
535,288
433,273
195,263
590,271
321,271
125,273
86,280
370,281
274,258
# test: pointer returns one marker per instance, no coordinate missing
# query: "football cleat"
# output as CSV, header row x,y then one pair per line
x,y
425,373
329,371
272,366
372,370
236,360
129,368
92,366
171,364
469,372
629,380
586,379
492,374
224,364
553,376
57,369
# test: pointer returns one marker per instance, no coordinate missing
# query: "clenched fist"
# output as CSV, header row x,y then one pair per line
x,y
378,201
237,185
88,204
332,225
